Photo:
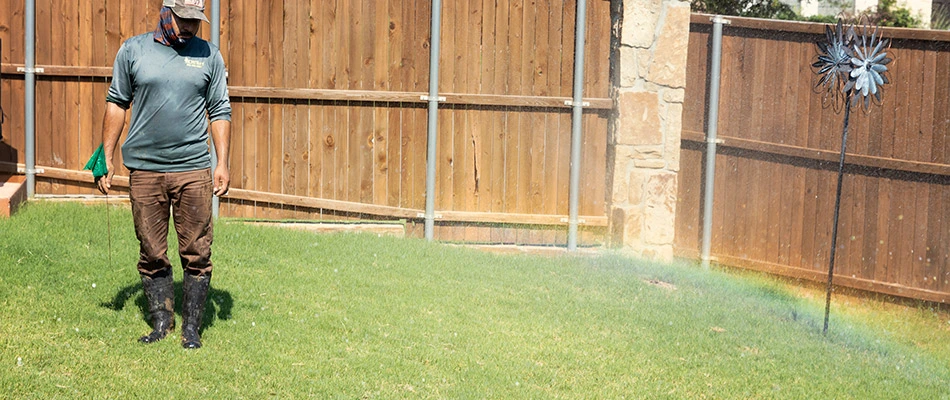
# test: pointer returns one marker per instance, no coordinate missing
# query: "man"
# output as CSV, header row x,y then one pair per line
x,y
174,83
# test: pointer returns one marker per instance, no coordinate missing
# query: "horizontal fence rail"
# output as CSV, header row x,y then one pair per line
x,y
853,160
593,104
778,148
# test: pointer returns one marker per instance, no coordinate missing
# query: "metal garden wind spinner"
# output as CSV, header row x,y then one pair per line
x,y
850,67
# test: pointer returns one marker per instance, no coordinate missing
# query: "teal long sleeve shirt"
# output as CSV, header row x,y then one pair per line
x,y
173,93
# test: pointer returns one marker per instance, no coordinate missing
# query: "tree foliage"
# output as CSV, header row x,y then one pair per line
x,y
888,13
774,9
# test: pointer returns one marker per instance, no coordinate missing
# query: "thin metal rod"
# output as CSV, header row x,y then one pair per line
x,y
834,227
30,97
576,121
431,141
712,128
109,228
216,40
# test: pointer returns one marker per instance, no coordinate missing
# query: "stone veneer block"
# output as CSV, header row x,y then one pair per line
x,y
669,55
639,22
674,95
626,225
673,122
639,119
660,210
629,63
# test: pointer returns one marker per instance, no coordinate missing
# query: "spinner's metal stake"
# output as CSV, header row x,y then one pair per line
x,y
834,228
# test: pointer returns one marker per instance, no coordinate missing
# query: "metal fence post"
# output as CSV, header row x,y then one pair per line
x,y
433,120
29,100
577,113
712,124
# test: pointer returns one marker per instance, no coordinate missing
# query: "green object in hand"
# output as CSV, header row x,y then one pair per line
x,y
97,163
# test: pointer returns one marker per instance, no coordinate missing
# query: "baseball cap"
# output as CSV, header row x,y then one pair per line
x,y
187,9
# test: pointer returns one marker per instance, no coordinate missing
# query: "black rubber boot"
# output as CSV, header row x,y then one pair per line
x,y
196,292
160,293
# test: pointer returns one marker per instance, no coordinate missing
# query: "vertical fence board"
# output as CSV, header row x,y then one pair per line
x,y
758,130
255,111
744,168
594,164
923,120
235,36
472,127
224,45
533,138
88,137
415,119
342,147
517,123
448,160
769,242
553,127
782,182
6,152
364,130
301,153
15,111
565,86
289,125
380,129
500,162
277,64
71,151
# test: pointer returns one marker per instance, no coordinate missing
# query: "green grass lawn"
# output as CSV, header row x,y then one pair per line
x,y
294,314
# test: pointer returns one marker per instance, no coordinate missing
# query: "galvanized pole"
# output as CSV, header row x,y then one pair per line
x,y
216,40
433,99
216,22
30,97
712,126
577,113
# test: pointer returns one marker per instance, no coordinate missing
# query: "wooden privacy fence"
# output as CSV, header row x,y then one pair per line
x,y
777,165
328,117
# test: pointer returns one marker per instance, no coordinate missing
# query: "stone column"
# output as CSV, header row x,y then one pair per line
x,y
649,75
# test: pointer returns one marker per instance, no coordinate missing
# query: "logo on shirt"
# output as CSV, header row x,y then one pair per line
x,y
193,63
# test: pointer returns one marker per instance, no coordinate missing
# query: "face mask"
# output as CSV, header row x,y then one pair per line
x,y
165,32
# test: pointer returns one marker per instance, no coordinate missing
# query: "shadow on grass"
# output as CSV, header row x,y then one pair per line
x,y
217,307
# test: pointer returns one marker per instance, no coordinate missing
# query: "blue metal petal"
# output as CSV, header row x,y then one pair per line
x,y
876,76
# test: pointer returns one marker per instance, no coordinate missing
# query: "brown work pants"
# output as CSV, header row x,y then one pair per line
x,y
188,195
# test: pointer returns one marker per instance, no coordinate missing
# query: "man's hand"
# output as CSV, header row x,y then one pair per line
x,y
222,180
105,182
